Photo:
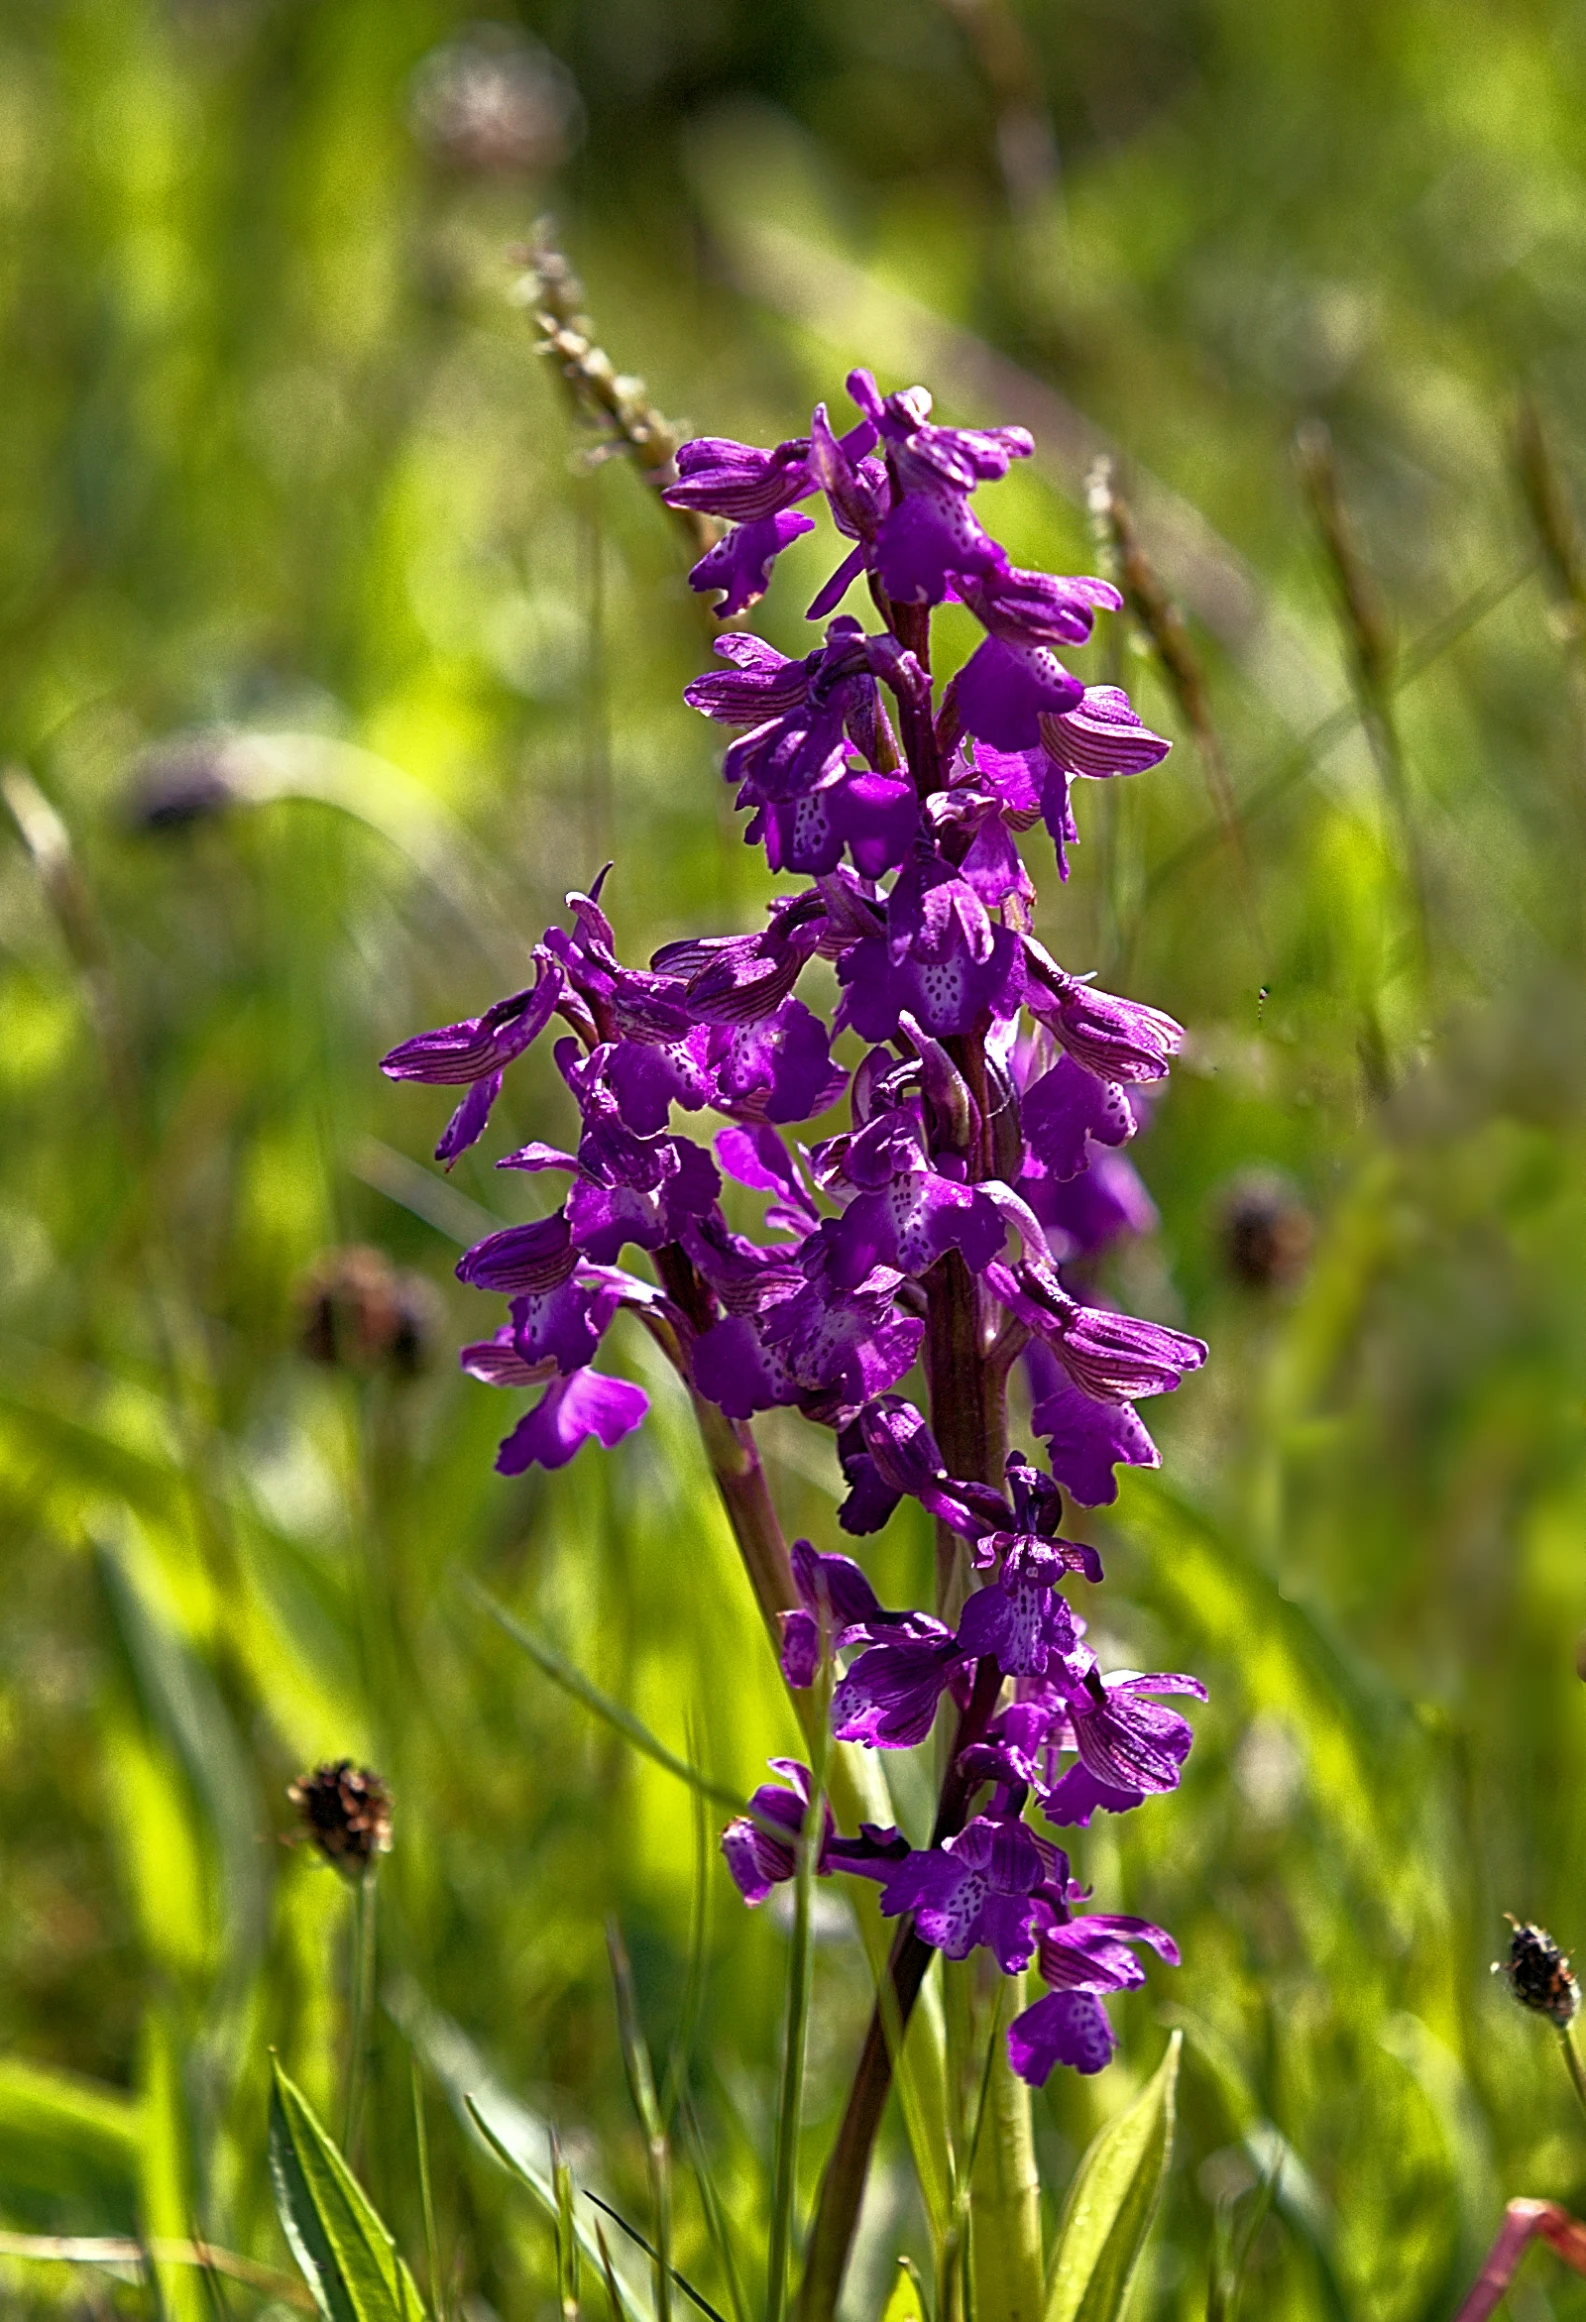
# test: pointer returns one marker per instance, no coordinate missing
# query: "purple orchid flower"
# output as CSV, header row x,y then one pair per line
x,y
904,1215
1086,1436
1116,1357
930,536
979,1887
740,563
569,1412
1116,1039
1081,1958
759,1858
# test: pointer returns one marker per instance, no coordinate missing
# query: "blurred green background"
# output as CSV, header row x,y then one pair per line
x,y
332,662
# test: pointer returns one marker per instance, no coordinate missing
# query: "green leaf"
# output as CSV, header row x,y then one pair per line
x,y
1111,2204
348,2259
68,2152
562,1672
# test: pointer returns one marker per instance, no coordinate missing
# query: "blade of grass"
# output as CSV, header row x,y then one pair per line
x,y
682,2049
710,2202
612,2291
641,2086
800,1981
623,2308
573,1681
634,2235
421,2140
566,2236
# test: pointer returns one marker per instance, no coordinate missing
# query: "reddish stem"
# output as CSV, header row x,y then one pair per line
x,y
1522,2221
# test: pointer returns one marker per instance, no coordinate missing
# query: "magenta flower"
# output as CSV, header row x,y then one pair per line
x,y
979,1887
1081,1958
977,1156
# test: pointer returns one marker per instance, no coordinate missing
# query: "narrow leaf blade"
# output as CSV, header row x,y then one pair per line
x,y
1112,2202
348,2258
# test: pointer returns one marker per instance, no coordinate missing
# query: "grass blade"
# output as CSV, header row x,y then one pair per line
x,y
800,1980
347,2257
634,2235
641,2084
573,1681
715,2216
1112,2202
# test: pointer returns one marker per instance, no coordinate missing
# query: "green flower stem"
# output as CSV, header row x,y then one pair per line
x,y
855,1785
1572,2063
361,2003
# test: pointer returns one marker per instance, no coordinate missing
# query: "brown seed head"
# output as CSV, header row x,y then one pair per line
x,y
1538,1974
358,1312
1266,1231
345,1811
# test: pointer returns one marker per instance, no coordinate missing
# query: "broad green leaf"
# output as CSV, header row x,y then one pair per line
x,y
68,2152
348,2259
1004,2187
1111,2204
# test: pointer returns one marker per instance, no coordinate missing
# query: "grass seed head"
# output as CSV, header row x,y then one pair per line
x,y
345,1811
1539,1974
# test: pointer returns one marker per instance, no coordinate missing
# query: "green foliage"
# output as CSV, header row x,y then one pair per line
x,y
68,2152
348,2258
286,502
1112,2202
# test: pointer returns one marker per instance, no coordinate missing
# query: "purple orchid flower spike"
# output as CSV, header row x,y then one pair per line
x,y
954,1216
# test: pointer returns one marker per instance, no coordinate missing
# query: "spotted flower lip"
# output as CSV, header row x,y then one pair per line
x,y
1081,1958
979,1887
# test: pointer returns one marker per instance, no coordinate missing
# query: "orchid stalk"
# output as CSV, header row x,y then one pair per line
x,y
941,1228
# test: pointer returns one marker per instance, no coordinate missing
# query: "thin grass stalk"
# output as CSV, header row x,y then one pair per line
x,y
716,2225
567,2284
1550,505
1572,2064
361,2003
801,1969
432,2261
179,1349
1152,608
613,2294
641,2085
682,2049
1368,636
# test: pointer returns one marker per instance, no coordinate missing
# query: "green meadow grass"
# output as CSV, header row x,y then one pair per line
x,y
279,460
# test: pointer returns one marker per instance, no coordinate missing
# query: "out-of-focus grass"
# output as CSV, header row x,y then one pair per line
x,y
278,458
